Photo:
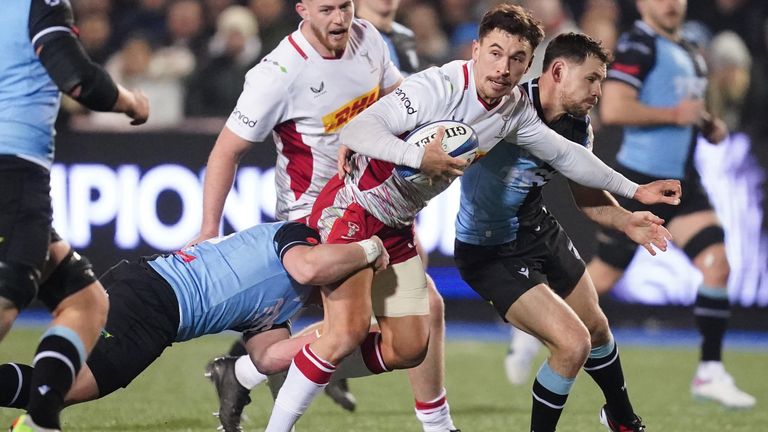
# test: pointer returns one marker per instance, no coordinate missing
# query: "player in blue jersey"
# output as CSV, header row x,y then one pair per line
x,y
515,254
655,90
40,56
252,282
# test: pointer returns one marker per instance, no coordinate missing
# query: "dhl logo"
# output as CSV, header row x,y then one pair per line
x,y
337,119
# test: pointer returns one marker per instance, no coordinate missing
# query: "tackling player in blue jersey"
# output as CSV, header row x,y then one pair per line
x,y
655,89
517,256
40,56
252,281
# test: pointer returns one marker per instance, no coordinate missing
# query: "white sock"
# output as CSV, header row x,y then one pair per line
x,y
247,374
298,390
435,415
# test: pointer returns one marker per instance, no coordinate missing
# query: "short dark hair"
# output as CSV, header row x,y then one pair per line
x,y
514,20
575,47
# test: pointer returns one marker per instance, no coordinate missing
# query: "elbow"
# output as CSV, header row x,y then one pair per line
x,y
309,274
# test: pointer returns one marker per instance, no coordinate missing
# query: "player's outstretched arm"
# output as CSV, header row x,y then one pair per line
x,y
73,72
644,228
325,264
659,192
219,176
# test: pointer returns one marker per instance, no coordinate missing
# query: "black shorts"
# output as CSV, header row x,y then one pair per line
x,y
25,212
541,253
143,320
616,249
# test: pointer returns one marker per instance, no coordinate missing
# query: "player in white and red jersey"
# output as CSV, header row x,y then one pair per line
x,y
303,97
373,198
314,82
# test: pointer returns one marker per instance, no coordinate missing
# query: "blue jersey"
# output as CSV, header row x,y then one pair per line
x,y
502,190
236,282
29,99
664,72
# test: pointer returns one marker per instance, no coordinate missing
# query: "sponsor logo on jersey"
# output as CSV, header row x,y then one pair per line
x,y
337,119
244,119
407,104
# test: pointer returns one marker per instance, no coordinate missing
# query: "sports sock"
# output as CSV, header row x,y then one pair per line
x,y
711,311
58,359
435,415
14,385
365,361
307,377
604,366
550,391
247,374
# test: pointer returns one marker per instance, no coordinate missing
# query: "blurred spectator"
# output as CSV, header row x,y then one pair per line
x,y
555,20
431,42
214,88
275,20
462,39
95,31
185,27
212,10
599,20
744,17
82,8
138,65
454,13
147,18
729,76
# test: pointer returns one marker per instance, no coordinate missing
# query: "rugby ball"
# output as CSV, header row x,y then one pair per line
x,y
460,141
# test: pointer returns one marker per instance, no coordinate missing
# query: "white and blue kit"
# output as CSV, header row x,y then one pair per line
x,y
663,72
235,282
506,241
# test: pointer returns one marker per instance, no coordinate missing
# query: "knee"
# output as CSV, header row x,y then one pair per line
x,y
714,266
345,337
409,354
573,347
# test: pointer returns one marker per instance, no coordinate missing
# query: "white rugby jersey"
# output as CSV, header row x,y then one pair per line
x,y
449,93
304,99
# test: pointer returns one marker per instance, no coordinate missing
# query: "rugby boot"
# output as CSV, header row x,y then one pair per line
x,y
233,397
608,421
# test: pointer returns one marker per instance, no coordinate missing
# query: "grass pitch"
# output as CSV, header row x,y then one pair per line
x,y
172,394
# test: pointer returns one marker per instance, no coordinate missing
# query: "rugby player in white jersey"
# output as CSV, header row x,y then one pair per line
x,y
373,198
304,92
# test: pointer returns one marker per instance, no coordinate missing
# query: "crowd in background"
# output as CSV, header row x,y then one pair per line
x,y
191,56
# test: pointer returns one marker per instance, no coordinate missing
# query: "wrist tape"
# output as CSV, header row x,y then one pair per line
x,y
371,249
